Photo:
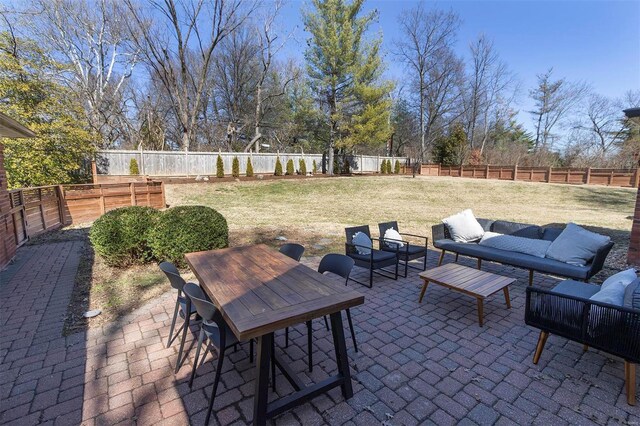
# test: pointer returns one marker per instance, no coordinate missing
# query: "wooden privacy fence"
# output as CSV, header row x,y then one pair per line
x,y
586,176
36,210
173,163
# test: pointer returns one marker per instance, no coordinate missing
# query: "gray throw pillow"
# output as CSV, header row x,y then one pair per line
x,y
464,227
531,246
632,295
576,246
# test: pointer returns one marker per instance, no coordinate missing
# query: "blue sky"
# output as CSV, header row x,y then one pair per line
x,y
593,41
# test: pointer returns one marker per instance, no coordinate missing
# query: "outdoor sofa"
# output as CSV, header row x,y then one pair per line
x,y
443,241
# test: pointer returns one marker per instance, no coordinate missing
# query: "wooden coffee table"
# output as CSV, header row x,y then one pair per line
x,y
473,282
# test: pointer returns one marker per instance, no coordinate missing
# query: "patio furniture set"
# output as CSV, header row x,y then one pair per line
x,y
246,294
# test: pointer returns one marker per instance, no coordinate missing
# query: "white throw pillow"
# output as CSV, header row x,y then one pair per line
x,y
576,246
531,246
464,227
363,242
390,235
624,277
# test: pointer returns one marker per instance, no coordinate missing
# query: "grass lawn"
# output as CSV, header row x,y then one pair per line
x,y
314,213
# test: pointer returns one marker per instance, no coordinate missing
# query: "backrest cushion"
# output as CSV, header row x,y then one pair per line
x,y
614,294
532,246
517,229
550,234
363,242
625,277
632,295
464,227
576,246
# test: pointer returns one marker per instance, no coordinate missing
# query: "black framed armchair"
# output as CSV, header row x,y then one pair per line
x,y
375,261
409,251
567,311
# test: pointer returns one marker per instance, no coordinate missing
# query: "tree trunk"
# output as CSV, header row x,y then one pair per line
x,y
257,121
423,145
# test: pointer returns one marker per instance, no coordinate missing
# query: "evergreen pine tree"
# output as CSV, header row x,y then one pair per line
x,y
249,171
396,169
219,167
302,169
278,171
133,167
235,167
315,167
290,169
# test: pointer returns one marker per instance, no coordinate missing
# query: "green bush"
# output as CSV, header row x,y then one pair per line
x,y
121,236
219,167
290,169
278,171
249,171
314,167
396,169
302,168
235,167
389,169
133,167
346,167
383,167
186,229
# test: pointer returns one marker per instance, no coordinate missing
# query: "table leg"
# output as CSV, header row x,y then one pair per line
x,y
480,311
424,289
261,395
506,297
341,354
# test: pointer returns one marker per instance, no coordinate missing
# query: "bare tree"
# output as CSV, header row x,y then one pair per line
x,y
553,102
490,90
90,36
427,35
177,41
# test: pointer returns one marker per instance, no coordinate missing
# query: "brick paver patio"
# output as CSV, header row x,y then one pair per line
x,y
426,363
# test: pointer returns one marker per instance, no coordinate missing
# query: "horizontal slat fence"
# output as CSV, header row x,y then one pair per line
x,y
173,163
36,210
586,176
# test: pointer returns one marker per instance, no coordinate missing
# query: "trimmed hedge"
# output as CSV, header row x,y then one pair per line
x,y
396,168
290,170
249,171
302,168
120,236
278,170
133,167
186,229
219,167
314,169
235,167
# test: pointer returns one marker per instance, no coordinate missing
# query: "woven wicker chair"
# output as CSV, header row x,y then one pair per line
x,y
407,253
375,261
567,311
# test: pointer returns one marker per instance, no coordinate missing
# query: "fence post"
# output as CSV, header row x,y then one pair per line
x,y
636,178
486,176
132,190
588,176
515,172
102,202
41,208
61,209
164,200
94,171
549,170
461,170
611,178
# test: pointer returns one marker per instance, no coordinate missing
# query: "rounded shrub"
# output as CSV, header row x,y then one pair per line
x,y
278,171
302,168
249,171
121,236
290,169
133,167
235,167
185,229
219,167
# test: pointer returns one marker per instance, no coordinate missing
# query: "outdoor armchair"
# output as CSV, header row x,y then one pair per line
x,y
409,251
375,261
567,311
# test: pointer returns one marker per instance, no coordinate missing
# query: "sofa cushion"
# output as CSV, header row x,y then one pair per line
x,y
632,295
576,289
576,246
517,229
363,243
613,294
625,277
550,234
534,247
463,227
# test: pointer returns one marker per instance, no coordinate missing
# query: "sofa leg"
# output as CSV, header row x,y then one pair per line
x,y
530,277
630,382
585,348
479,263
441,257
542,339
457,254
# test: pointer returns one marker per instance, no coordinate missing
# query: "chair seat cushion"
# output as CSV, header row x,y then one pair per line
x,y
576,289
411,250
378,256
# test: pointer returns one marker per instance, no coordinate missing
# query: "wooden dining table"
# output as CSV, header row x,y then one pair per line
x,y
259,291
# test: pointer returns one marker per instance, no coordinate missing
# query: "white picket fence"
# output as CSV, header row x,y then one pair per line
x,y
181,163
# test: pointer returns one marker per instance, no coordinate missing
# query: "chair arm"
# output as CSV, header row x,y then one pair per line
x,y
437,232
598,260
426,239
556,313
